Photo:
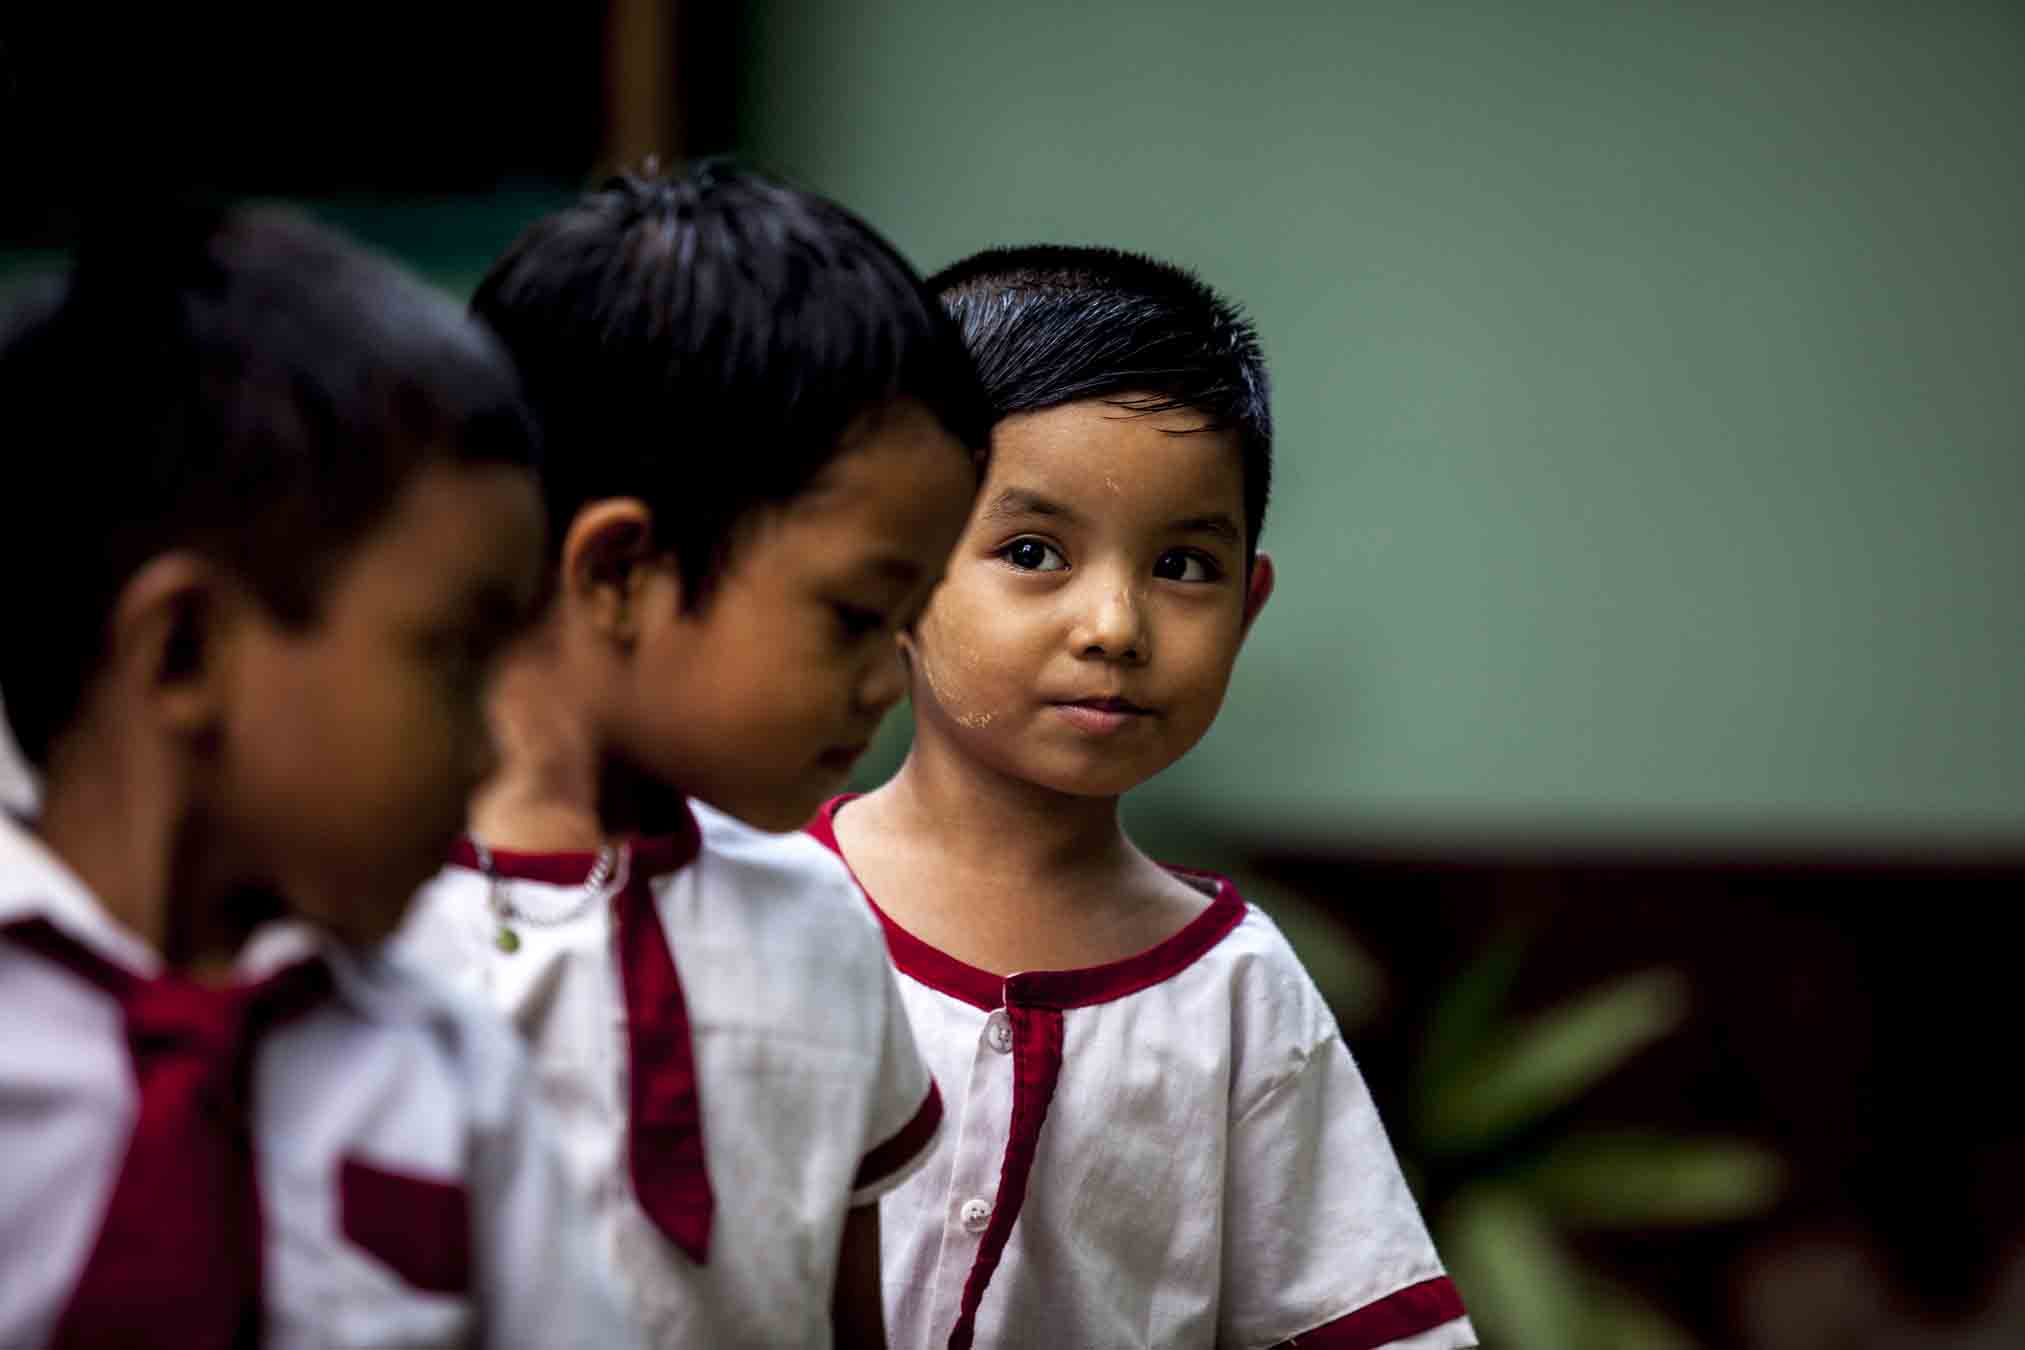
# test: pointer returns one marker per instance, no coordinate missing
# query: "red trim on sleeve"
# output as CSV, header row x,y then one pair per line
x,y
1077,988
1037,1066
419,1227
1407,1312
905,1146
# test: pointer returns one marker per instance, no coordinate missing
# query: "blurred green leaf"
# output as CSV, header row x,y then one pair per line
x,y
1526,1291
1465,1022
1638,1180
1523,1289
1552,1060
1614,1318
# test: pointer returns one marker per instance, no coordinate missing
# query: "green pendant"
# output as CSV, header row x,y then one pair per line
x,y
506,940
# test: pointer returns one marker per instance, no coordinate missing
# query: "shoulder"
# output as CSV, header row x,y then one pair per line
x,y
409,1002
1278,1017
785,877
779,934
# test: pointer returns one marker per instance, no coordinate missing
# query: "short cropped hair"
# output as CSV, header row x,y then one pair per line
x,y
243,384
1050,324
706,341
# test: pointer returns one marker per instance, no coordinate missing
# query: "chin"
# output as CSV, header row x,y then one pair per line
x,y
1089,781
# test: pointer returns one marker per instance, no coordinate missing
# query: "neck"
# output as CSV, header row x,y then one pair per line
x,y
995,824
126,824
560,785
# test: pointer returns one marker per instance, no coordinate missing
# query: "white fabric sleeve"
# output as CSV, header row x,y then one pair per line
x,y
907,1108
1322,1238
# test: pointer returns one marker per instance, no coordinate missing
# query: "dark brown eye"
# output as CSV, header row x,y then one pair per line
x,y
1032,555
1181,564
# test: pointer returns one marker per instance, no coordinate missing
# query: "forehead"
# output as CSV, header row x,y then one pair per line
x,y
901,489
1112,463
453,526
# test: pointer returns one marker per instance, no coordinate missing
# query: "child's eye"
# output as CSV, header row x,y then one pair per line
x,y
856,621
1031,555
1180,564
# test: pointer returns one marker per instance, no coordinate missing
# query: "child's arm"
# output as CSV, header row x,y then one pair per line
x,y
1323,1241
856,1313
906,1123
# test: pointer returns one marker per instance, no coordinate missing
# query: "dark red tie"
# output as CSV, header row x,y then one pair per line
x,y
177,1260
664,1120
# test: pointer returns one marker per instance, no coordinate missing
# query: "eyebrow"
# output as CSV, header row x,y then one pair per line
x,y
1220,524
1015,502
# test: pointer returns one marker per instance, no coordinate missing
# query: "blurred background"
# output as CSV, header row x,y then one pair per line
x,y
1635,746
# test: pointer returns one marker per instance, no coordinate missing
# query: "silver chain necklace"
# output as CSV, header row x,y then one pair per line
x,y
598,885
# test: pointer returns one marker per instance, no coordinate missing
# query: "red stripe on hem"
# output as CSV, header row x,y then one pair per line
x,y
905,1146
1406,1312
1076,988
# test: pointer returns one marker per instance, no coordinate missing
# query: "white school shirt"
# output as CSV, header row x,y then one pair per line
x,y
1174,1150
813,1098
380,1118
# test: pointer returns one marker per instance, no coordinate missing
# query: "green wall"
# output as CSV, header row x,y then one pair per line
x,y
1649,379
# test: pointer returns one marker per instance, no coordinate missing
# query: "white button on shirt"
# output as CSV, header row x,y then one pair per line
x,y
1179,1152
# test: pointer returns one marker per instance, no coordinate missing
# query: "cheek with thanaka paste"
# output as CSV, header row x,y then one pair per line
x,y
972,660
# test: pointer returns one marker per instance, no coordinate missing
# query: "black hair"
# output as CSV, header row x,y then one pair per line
x,y
243,384
1053,324
706,342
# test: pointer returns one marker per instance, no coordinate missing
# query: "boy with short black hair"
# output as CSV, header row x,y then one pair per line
x,y
282,522
760,433
1161,1139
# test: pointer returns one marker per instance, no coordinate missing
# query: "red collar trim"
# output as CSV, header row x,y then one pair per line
x,y
653,856
1077,988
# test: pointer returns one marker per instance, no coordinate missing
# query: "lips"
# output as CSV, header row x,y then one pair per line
x,y
1110,705
1101,716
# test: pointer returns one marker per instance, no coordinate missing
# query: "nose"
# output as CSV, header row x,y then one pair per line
x,y
884,680
1111,624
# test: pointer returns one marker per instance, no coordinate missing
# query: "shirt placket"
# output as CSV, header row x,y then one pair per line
x,y
1028,1037
983,1121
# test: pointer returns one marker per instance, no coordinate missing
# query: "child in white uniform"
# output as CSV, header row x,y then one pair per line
x,y
1156,1135
760,433
267,576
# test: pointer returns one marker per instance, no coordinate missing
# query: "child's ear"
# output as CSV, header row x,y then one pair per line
x,y
167,641
1258,589
605,561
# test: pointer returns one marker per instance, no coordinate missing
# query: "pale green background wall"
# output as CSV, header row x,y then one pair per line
x,y
1648,378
